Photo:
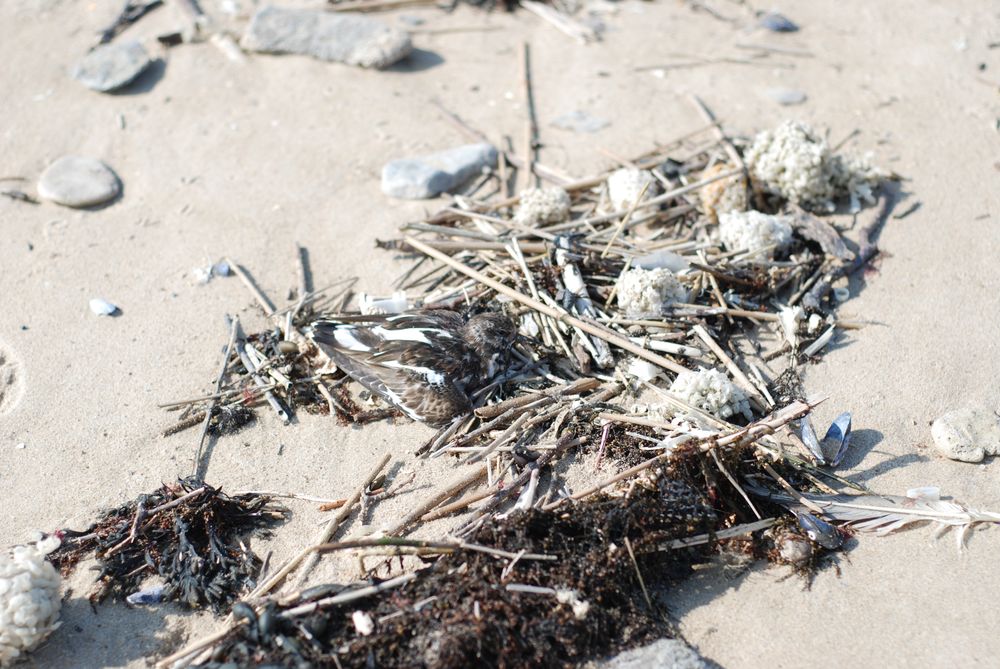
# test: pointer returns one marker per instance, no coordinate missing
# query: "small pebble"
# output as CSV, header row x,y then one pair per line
x,y
74,181
430,175
111,66
580,121
342,38
21,445
103,307
968,434
786,96
777,23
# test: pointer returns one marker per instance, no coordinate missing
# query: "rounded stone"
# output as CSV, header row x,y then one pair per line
x,y
968,434
74,181
111,66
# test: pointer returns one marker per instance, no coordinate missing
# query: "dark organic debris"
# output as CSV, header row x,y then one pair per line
x,y
189,534
463,611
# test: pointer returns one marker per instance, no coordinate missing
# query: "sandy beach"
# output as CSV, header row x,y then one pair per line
x,y
223,159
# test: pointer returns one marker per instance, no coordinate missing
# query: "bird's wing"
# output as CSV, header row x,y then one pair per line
x,y
411,363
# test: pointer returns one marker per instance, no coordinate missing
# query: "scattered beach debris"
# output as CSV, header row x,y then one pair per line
x,y
189,534
540,206
29,598
786,96
968,434
430,175
204,274
754,231
629,186
130,13
101,307
343,38
792,161
777,23
647,293
75,181
109,67
580,121
710,390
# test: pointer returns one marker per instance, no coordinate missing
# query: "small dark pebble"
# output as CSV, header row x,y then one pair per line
x,y
778,23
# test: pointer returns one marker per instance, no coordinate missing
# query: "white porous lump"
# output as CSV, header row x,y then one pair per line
x,y
752,230
29,598
794,162
643,293
625,186
710,390
542,205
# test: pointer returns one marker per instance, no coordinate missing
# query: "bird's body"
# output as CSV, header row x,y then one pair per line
x,y
426,362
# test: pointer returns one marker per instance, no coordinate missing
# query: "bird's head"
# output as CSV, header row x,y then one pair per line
x,y
492,335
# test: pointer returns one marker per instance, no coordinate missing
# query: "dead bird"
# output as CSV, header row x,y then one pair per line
x,y
425,362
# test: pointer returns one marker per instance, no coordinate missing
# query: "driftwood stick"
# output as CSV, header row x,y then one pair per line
x,y
458,486
574,388
258,295
590,327
334,524
866,252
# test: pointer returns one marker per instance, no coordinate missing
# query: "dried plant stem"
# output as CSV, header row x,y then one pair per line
x,y
699,539
258,295
458,486
531,126
589,327
574,388
233,328
751,433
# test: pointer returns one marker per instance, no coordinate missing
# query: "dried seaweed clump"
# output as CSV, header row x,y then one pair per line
x,y
29,599
722,196
625,186
643,293
792,161
196,545
542,205
752,230
710,390
556,613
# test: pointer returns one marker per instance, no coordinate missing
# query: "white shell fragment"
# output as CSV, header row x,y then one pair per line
x,y
396,304
794,162
363,623
752,231
542,205
710,390
625,186
572,597
643,293
103,307
968,434
151,595
29,599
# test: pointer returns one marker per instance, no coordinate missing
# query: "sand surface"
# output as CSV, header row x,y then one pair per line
x,y
244,160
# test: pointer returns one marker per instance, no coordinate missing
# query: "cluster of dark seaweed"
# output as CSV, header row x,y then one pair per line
x,y
469,617
197,547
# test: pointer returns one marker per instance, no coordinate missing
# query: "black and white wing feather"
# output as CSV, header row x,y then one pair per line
x,y
417,362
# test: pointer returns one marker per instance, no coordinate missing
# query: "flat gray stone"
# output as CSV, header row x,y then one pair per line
x,y
428,176
74,181
111,66
342,38
662,654
968,435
